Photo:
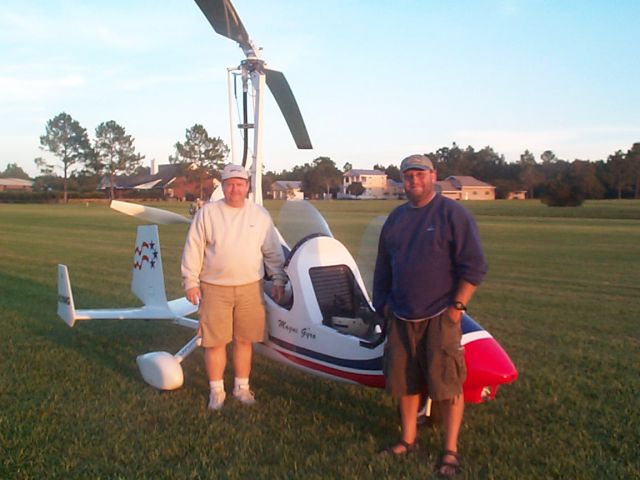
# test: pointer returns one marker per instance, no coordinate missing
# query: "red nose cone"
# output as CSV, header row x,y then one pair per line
x,y
488,366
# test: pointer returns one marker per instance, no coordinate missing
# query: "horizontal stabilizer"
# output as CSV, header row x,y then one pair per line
x,y
181,307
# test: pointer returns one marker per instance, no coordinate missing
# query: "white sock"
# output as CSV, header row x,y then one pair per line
x,y
241,382
216,384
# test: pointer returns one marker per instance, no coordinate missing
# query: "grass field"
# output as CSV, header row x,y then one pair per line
x,y
562,297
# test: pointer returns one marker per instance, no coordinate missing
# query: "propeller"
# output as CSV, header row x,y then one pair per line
x,y
369,251
298,218
150,214
225,20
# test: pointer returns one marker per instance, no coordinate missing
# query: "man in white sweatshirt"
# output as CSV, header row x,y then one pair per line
x,y
230,244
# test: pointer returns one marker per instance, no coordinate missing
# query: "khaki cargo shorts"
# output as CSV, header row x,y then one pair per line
x,y
424,357
231,313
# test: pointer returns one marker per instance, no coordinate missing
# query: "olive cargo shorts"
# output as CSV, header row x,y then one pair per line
x,y
424,357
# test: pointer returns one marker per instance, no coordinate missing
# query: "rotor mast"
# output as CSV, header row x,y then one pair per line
x,y
225,20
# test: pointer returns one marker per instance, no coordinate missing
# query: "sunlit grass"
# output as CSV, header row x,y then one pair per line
x,y
562,297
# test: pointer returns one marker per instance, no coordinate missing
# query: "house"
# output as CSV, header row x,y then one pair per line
x,y
167,182
395,189
463,187
15,184
373,181
517,195
287,190
447,189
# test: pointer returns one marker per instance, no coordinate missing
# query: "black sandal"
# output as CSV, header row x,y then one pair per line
x,y
407,448
449,469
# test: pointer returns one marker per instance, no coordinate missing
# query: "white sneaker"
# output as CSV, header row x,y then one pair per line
x,y
216,398
244,395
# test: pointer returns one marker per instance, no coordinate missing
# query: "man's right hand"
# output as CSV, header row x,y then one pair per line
x,y
194,295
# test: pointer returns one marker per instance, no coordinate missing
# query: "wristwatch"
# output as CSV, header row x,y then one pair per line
x,y
460,306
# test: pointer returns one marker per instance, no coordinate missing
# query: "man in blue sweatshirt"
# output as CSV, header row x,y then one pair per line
x,y
429,263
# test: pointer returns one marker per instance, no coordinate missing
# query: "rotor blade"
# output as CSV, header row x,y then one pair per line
x,y
150,214
369,251
281,91
225,20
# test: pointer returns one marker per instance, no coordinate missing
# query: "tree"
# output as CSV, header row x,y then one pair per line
x,y
346,167
552,167
633,163
527,158
114,152
45,168
565,191
548,157
453,161
616,165
67,140
355,189
530,175
201,153
322,177
391,172
487,164
585,173
14,171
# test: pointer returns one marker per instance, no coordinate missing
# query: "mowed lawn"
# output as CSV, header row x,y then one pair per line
x,y
562,297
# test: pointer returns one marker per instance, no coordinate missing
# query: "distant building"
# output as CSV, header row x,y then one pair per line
x,y
287,190
447,189
517,195
15,184
461,187
395,189
373,181
168,182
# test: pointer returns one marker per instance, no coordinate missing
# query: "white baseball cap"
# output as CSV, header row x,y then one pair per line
x,y
234,171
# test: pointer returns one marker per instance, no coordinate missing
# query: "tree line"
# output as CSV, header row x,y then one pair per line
x,y
556,181
112,152
84,162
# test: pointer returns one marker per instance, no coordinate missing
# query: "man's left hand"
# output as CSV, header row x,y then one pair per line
x,y
277,293
454,314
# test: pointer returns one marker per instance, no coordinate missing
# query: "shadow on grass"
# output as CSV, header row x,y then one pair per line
x,y
106,344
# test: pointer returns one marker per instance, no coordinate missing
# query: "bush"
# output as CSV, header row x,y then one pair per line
x,y
19,196
565,191
153,194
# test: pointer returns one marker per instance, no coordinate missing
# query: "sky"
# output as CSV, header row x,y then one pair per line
x,y
376,80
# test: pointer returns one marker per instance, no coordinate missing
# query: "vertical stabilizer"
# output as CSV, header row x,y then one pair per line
x,y
66,308
147,281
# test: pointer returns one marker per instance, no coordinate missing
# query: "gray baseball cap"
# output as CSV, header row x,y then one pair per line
x,y
418,162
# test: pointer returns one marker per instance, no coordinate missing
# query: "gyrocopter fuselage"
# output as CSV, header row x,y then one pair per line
x,y
326,324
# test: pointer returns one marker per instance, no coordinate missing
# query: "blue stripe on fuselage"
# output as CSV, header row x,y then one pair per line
x,y
469,324
370,364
